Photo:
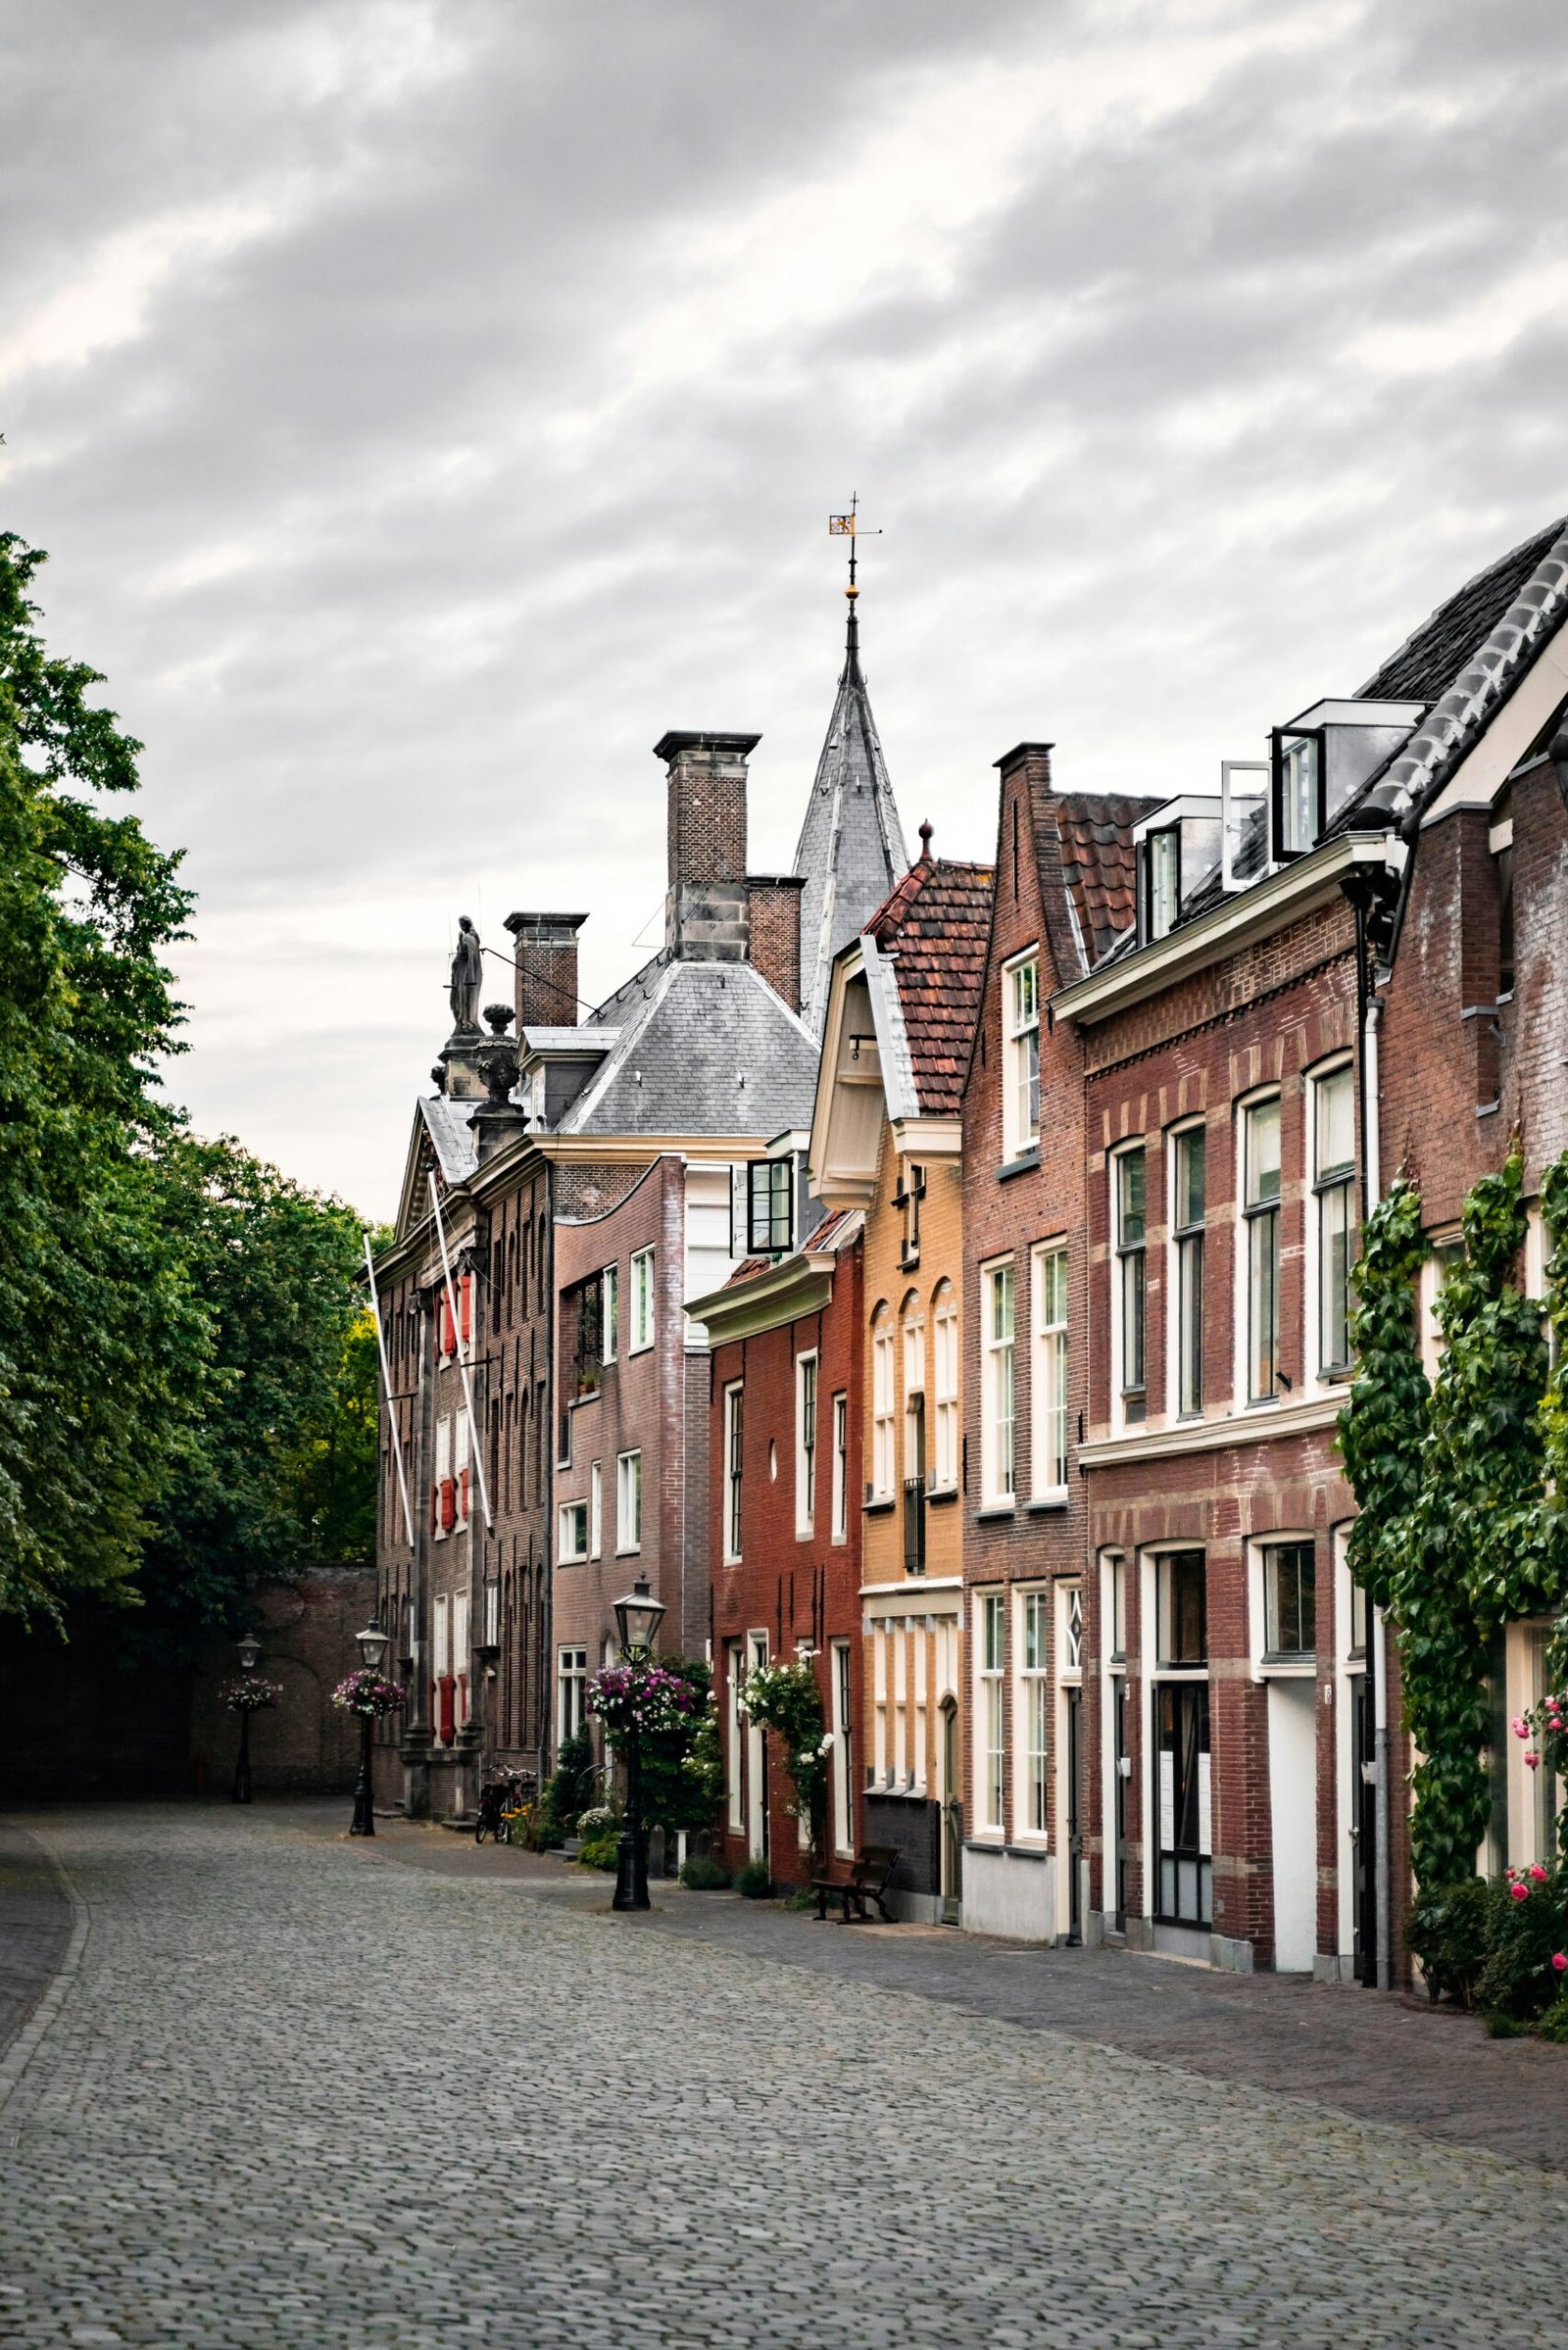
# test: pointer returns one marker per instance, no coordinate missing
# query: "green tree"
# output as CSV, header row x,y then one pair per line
x,y
100,1333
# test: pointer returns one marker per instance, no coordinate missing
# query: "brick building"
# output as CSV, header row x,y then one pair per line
x,y
784,1534
886,1144
1062,897
1311,992
563,1195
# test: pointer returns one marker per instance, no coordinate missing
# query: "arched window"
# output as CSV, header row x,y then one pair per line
x,y
883,1467
944,1387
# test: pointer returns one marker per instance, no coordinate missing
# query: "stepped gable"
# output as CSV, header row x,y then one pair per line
x,y
932,931
852,844
1096,830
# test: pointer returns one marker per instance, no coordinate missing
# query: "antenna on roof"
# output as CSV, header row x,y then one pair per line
x,y
849,526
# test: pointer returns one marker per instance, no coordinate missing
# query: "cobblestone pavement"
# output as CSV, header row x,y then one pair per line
x,y
295,2094
34,1926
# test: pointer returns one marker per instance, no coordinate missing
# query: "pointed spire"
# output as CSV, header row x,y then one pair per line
x,y
851,849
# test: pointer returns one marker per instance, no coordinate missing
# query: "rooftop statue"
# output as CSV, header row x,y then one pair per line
x,y
468,977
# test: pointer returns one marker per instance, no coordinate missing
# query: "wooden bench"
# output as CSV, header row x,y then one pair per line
x,y
867,1880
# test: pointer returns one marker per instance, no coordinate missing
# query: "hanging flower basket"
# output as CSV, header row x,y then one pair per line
x,y
250,1695
643,1693
366,1694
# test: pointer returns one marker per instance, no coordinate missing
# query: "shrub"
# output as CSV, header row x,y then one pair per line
x,y
1553,2025
752,1882
571,1789
1527,1917
1449,1933
701,1873
601,1847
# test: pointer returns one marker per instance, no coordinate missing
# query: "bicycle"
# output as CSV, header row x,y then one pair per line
x,y
500,1802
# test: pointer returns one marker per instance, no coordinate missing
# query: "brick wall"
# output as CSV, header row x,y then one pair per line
x,y
776,908
307,1634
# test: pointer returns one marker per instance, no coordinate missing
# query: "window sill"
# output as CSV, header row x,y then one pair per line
x,y
994,1841
646,1347
879,1509
942,1497
995,1509
1020,1165
635,1551
1051,1505
1040,1851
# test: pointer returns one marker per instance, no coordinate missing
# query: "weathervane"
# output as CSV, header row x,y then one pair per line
x,y
848,526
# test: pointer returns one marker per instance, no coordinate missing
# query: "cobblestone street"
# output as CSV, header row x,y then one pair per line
x,y
289,2091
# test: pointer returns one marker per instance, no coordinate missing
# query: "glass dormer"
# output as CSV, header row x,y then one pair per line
x,y
1177,850
1321,760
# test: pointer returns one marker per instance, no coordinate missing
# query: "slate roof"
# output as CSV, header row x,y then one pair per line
x,y
852,844
1096,830
448,1123
933,930
703,1047
1465,662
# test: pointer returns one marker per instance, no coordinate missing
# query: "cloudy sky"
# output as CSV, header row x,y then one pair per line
x,y
429,402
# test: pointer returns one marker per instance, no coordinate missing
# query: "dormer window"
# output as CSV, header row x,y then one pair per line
x,y
1299,814
1178,858
1163,881
764,1207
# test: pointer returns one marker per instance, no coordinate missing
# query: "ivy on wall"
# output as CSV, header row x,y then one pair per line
x,y
1459,1485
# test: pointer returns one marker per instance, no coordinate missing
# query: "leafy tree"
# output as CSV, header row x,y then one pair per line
x,y
100,1335
277,1466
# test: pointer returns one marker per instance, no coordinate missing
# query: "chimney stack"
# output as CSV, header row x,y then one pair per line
x,y
707,911
545,953
774,906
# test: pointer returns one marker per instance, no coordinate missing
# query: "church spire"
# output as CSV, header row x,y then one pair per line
x,y
851,848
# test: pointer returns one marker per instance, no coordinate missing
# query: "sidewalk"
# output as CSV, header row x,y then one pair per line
x,y
1380,2059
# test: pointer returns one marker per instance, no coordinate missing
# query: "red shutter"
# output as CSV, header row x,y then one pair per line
x,y
449,1503
463,1497
466,1306
446,1689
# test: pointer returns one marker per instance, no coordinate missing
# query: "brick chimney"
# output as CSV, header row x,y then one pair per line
x,y
774,900
707,914
544,952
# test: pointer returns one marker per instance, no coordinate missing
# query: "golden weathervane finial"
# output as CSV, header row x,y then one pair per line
x,y
847,527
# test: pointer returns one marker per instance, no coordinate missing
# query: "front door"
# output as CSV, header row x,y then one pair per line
x,y
757,1770
1181,1715
1364,1831
1075,1816
952,1818
1123,1760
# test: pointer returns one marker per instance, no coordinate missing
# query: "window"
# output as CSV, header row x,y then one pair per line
x,y
571,1684
883,1467
1020,981
642,1301
596,1509
443,1511
1260,1198
769,1195
628,1501
1297,788
993,1639
1049,1400
1118,1609
1334,1183
1188,1200
1183,1609
997,1392
582,1310
1034,1697
1289,1599
804,1442
913,1439
1161,862
841,1466
1446,1254
945,1367
610,1306
908,1195
734,1454
1127,1178
459,1466
573,1541
1502,859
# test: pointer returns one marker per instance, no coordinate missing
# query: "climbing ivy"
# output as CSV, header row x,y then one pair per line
x,y
1461,1528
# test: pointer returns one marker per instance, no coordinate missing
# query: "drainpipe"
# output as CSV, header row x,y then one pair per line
x,y
1384,1863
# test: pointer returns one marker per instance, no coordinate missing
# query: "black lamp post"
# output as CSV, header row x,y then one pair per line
x,y
637,1620
373,1644
249,1650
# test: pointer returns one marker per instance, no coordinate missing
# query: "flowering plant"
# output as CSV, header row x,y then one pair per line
x,y
249,1694
364,1692
645,1694
785,1698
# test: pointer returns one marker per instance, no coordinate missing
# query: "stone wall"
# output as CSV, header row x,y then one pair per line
x,y
307,1634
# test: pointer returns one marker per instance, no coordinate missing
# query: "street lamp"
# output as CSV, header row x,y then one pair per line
x,y
250,1651
373,1644
637,1621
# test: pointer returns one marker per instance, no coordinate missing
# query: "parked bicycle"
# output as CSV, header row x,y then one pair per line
x,y
500,1808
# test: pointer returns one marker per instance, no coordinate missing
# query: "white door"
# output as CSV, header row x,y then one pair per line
x,y
1292,1809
